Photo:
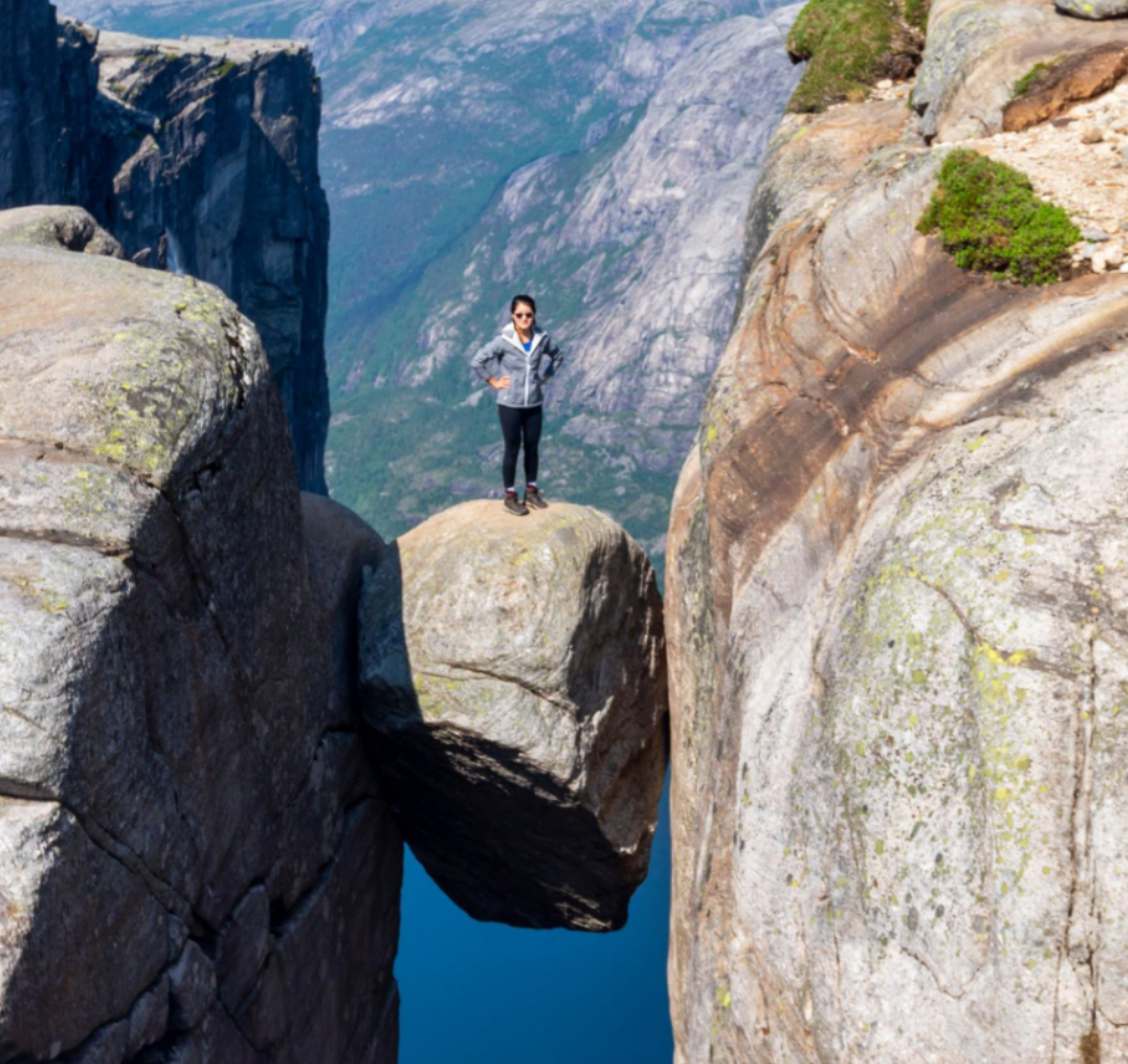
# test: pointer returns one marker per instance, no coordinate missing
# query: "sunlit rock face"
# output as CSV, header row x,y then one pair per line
x,y
978,49
513,670
895,608
188,821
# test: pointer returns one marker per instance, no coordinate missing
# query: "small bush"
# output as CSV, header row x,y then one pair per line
x,y
844,41
850,44
989,219
916,13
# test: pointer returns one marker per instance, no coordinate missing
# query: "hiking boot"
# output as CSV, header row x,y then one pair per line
x,y
515,505
533,497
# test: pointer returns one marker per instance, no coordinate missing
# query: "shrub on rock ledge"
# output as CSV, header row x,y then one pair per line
x,y
851,44
990,219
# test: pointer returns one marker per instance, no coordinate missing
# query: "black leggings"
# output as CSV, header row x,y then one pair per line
x,y
515,422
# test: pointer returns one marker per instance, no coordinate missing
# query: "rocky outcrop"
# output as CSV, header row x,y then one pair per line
x,y
978,49
200,156
514,673
197,862
1093,9
70,228
896,624
1080,77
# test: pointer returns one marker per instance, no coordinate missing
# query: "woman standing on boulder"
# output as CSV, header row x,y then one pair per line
x,y
516,365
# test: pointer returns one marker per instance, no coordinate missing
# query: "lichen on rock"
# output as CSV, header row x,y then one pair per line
x,y
891,567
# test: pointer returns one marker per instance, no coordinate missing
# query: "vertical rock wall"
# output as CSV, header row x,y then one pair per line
x,y
895,612
196,862
206,164
47,87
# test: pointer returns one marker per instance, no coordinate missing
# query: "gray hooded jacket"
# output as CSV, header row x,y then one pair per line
x,y
527,371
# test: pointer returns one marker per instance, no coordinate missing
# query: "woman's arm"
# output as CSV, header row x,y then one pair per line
x,y
485,354
480,364
555,359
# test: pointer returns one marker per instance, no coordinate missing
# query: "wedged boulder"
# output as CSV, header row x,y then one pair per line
x,y
513,671
195,859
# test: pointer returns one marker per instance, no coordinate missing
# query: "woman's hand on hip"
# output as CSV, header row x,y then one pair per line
x,y
497,383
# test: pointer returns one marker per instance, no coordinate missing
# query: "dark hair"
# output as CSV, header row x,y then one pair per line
x,y
528,300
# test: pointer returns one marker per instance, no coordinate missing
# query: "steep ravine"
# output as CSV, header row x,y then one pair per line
x,y
895,601
191,824
221,700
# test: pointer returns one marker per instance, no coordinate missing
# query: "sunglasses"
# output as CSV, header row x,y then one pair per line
x,y
522,315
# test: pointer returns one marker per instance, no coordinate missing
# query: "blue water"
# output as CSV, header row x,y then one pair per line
x,y
477,993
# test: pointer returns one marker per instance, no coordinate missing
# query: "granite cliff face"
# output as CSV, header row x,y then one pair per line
x,y
193,828
200,156
895,603
47,83
189,825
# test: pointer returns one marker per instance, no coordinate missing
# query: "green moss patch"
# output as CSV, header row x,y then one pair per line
x,y
989,219
1034,78
850,44
916,13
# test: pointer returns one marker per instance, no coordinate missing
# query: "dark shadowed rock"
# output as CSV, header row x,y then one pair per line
x,y
513,672
47,98
207,164
186,812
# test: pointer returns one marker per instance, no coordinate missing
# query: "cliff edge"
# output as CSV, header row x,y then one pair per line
x,y
200,156
895,604
198,862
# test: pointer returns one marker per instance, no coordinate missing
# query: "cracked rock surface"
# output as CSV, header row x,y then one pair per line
x,y
896,607
186,813
514,673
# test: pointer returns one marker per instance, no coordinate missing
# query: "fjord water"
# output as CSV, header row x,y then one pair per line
x,y
601,156
487,994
